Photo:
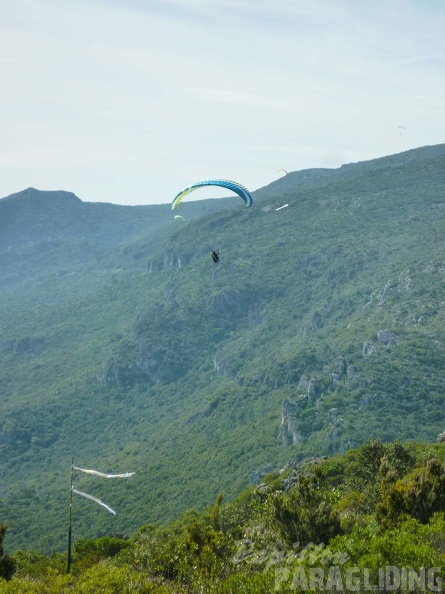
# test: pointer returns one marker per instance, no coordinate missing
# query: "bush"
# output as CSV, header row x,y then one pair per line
x,y
7,563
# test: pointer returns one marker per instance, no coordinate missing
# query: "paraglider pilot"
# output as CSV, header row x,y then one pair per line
x,y
215,256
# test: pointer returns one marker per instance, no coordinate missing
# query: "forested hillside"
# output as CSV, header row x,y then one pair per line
x,y
371,519
124,346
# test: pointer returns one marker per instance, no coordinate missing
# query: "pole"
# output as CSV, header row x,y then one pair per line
x,y
68,567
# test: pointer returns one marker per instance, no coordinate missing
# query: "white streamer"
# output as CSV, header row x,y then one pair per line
x,y
102,474
108,508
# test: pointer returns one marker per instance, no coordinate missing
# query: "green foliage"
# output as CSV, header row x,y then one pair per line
x,y
89,552
34,566
238,547
410,545
419,494
197,551
367,465
376,461
123,345
246,583
306,514
7,563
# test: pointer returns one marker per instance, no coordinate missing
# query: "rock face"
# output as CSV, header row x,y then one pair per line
x,y
236,304
341,365
115,374
166,341
158,366
173,259
224,365
441,437
385,338
310,386
258,474
289,431
32,345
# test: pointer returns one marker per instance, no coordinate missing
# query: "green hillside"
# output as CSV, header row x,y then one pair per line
x,y
47,232
321,328
371,519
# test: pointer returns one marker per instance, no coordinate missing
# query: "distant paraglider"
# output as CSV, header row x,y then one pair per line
x,y
285,172
401,128
223,183
215,256
179,217
280,207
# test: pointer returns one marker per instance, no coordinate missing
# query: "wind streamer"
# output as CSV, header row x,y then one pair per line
x,y
108,508
103,474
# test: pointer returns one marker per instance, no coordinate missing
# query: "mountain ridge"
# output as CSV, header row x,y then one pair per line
x,y
34,193
320,328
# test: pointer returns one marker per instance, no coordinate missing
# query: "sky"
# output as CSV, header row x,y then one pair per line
x,y
130,101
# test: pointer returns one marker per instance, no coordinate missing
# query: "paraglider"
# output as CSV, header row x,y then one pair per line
x,y
215,256
401,128
223,183
286,172
280,207
179,217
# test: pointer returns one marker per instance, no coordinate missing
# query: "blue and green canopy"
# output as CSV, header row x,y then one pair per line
x,y
223,183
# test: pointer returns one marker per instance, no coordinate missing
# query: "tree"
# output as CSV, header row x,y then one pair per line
x,y
306,513
419,494
7,563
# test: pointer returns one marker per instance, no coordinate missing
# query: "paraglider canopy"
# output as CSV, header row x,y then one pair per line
x,y
179,217
223,183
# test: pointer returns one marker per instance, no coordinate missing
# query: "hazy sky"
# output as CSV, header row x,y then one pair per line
x,y
129,101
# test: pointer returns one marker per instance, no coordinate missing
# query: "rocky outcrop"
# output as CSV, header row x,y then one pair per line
x,y
289,430
384,339
174,259
33,345
310,386
233,304
158,365
224,365
441,437
120,369
258,474
341,365
114,373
